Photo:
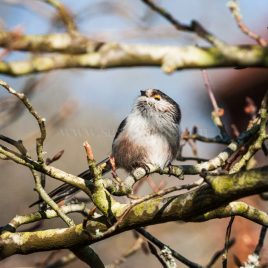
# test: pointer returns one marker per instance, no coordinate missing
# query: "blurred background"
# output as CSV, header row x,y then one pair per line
x,y
88,105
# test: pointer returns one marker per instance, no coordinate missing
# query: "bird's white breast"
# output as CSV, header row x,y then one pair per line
x,y
142,133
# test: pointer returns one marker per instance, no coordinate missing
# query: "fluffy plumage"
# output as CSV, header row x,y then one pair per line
x,y
150,134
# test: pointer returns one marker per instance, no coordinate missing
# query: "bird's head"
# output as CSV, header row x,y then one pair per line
x,y
154,101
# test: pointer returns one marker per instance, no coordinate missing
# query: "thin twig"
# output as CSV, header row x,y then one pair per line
x,y
217,112
40,120
194,27
227,239
186,135
49,201
219,253
18,144
10,108
65,15
155,253
261,240
257,144
235,10
49,161
192,158
161,245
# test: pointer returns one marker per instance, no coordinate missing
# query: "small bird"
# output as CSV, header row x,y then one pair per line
x,y
150,134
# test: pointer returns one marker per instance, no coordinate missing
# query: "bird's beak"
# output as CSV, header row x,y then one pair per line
x,y
143,93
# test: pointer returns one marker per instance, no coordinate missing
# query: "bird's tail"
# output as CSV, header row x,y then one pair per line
x,y
66,189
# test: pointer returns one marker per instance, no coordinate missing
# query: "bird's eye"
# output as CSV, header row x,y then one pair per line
x,y
157,97
143,93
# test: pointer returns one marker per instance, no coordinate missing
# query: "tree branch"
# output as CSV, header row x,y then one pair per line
x,y
48,43
235,10
194,27
65,15
41,121
161,246
169,58
185,207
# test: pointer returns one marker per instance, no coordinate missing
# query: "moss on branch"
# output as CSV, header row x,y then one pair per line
x,y
185,207
236,209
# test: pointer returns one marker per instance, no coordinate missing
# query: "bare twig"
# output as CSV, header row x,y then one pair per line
x,y
227,239
219,253
155,253
161,245
49,161
217,112
235,130
194,27
192,158
259,246
258,143
235,10
43,194
10,108
40,120
18,144
186,135
65,15
253,259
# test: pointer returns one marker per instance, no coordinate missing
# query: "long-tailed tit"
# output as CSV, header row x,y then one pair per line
x,y
150,134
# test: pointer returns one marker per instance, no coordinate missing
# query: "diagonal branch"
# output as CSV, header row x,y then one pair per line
x,y
235,10
217,112
39,119
227,239
258,143
161,245
43,194
194,27
65,15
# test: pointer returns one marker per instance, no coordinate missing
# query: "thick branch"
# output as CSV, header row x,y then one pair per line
x,y
169,58
185,207
52,43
